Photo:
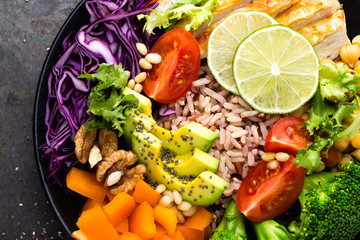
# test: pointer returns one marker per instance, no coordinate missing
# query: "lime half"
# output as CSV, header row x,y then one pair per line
x,y
226,37
276,69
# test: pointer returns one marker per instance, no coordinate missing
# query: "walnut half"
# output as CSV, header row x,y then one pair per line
x,y
114,170
84,141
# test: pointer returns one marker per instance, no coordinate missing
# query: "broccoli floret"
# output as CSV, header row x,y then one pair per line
x,y
330,206
232,225
270,229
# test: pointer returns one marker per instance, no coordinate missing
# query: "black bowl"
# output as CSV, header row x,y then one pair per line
x,y
67,207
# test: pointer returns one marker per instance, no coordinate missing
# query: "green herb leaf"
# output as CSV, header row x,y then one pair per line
x,y
335,83
325,117
107,101
197,15
319,111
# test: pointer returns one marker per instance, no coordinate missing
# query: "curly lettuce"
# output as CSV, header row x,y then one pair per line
x,y
326,117
107,101
195,10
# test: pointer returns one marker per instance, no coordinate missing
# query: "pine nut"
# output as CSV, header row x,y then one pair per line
x,y
131,84
140,77
160,188
273,164
141,48
268,156
145,64
165,201
191,211
153,58
177,197
180,217
127,73
184,206
282,157
169,194
138,88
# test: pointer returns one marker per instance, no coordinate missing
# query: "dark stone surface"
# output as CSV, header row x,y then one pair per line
x,y
27,29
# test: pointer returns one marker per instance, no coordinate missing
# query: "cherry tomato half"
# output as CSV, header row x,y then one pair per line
x,y
169,80
265,194
287,136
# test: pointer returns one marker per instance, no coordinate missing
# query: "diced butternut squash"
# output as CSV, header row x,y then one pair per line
x,y
190,233
208,231
141,221
85,183
79,235
119,208
166,217
160,231
130,236
90,203
96,226
200,220
144,192
123,226
174,209
177,236
165,237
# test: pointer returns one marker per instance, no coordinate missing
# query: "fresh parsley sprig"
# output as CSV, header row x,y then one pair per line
x,y
106,100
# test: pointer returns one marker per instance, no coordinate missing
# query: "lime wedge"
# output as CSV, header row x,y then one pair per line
x,y
224,40
276,69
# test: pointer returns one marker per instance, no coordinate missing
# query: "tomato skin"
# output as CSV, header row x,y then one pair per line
x,y
287,136
172,78
265,194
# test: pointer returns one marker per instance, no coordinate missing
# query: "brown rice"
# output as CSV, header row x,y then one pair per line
x,y
242,130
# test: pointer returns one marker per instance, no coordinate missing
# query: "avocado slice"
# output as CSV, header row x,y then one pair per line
x,y
145,103
192,163
192,135
203,188
186,138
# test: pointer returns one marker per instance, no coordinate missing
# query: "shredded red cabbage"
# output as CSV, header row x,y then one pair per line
x,y
166,111
110,37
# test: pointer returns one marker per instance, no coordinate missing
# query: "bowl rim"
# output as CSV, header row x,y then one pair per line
x,y
36,144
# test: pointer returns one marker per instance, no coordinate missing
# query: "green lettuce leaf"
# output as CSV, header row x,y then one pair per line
x,y
335,84
319,111
325,117
106,100
166,19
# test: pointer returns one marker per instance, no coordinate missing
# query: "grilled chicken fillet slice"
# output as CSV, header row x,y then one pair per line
x,y
328,35
307,11
271,7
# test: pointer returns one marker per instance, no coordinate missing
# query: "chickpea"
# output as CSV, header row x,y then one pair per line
x,y
327,61
342,145
345,160
350,54
356,40
355,141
